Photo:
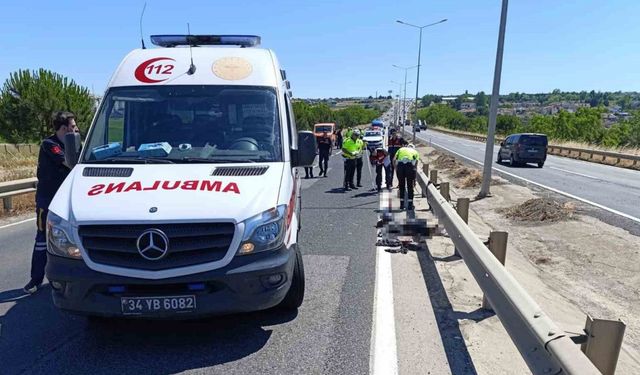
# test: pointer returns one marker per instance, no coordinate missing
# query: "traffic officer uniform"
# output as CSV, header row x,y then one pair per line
x,y
324,150
359,162
51,173
406,163
350,151
394,145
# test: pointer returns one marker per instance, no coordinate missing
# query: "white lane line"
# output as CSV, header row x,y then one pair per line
x,y
576,173
384,356
18,223
637,220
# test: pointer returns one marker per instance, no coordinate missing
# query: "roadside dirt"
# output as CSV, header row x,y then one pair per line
x,y
570,263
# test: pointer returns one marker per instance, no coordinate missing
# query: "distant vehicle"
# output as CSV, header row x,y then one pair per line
x,y
524,148
423,125
416,128
373,138
329,127
377,123
407,122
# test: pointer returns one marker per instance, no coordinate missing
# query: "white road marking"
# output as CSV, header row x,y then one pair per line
x,y
576,173
637,220
18,223
384,356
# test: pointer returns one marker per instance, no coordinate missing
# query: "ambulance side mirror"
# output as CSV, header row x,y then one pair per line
x,y
72,145
306,152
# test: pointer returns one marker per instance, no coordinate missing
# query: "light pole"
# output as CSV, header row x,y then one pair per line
x,y
418,74
493,108
404,102
397,116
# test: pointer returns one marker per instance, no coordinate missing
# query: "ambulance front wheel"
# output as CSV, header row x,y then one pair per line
x,y
295,295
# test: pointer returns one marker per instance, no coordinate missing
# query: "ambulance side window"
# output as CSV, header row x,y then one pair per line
x,y
291,122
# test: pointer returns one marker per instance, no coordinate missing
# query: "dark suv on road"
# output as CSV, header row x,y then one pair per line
x,y
524,148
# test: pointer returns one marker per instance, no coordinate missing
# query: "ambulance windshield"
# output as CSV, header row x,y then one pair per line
x,y
186,124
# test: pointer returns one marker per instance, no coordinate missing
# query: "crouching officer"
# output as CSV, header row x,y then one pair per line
x,y
406,163
52,170
351,150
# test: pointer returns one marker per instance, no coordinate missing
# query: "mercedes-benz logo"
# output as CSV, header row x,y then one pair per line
x,y
153,244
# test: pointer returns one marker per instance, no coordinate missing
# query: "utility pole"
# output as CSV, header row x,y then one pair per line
x,y
418,74
493,109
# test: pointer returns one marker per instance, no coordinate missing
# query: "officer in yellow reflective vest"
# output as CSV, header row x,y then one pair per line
x,y
406,163
359,162
351,150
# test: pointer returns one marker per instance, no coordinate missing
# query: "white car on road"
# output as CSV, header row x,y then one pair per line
x,y
373,139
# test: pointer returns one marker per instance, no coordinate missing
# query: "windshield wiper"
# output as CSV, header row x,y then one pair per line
x,y
214,161
131,160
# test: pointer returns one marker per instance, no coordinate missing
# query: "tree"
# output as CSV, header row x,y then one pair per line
x,y
481,99
29,99
507,124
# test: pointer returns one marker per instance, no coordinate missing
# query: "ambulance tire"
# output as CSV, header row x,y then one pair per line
x,y
295,295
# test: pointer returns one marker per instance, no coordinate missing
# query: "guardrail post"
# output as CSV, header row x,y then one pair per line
x,y
498,247
425,168
444,191
433,176
462,208
604,340
7,203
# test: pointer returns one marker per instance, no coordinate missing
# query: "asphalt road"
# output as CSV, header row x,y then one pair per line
x,y
331,332
613,191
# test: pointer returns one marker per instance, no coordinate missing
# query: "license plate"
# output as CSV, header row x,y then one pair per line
x,y
155,305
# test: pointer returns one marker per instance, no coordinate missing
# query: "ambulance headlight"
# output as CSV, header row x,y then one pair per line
x,y
264,231
59,242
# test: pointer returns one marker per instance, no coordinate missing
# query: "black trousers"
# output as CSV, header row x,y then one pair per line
x,y
359,169
387,174
406,177
349,170
324,161
39,255
392,154
308,171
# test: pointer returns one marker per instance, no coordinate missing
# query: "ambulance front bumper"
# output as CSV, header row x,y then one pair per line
x,y
248,283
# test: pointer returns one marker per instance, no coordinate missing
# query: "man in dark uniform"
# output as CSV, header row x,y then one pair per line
x,y
52,170
324,150
395,143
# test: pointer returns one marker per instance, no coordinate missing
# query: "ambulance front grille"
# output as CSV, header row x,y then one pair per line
x,y
189,244
240,171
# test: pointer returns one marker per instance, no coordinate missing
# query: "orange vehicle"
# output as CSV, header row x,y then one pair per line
x,y
329,127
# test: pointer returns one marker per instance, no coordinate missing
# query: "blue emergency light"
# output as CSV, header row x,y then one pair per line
x,y
205,40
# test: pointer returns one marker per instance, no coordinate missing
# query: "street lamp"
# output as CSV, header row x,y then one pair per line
x,y
493,108
404,101
397,106
418,74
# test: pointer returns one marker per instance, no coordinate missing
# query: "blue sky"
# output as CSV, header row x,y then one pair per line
x,y
346,48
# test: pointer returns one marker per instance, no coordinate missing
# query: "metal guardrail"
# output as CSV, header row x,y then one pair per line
x,y
20,148
633,160
10,189
543,345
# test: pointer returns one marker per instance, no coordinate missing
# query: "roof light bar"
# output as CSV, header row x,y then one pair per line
x,y
205,40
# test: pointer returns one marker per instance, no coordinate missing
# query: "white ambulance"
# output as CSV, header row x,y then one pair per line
x,y
185,198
